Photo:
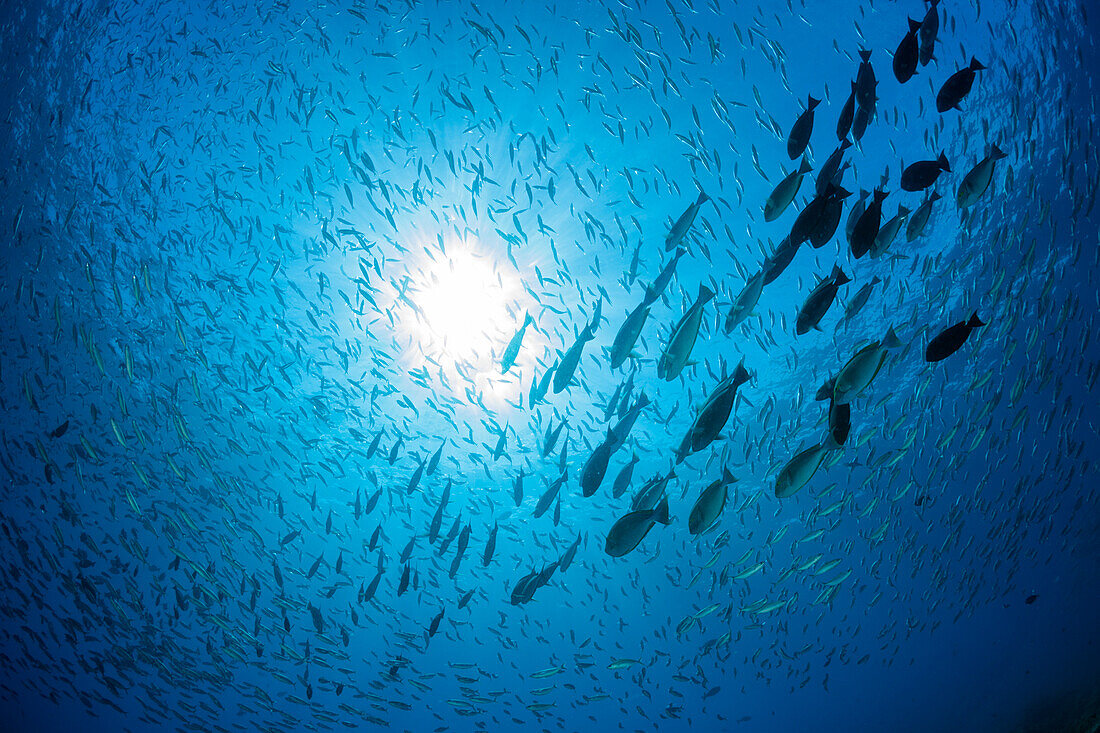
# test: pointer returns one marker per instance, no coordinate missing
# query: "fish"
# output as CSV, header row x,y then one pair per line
x,y
957,86
888,232
951,339
567,363
929,29
517,488
651,492
847,115
629,332
919,220
785,191
854,213
512,350
622,479
710,503
799,136
59,430
682,339
819,300
855,305
550,494
907,53
490,547
807,219
826,225
865,84
745,302
779,259
715,412
596,466
798,471
862,368
863,117
657,288
551,438
680,228
867,226
631,529
922,174
831,171
976,181
840,422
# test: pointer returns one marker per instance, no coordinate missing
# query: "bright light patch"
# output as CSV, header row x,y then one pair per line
x,y
462,302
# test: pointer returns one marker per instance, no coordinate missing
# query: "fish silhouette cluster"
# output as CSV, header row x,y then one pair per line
x,y
436,367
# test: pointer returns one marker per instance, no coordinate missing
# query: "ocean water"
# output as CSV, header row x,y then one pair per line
x,y
264,464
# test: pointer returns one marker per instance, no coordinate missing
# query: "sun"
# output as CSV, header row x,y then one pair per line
x,y
463,303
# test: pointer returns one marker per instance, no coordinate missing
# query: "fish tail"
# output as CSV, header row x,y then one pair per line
x,y
865,54
703,198
741,374
997,153
727,477
528,319
891,340
974,321
914,25
705,293
811,102
944,165
804,167
976,65
839,278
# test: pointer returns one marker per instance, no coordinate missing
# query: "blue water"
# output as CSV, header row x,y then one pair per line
x,y
241,243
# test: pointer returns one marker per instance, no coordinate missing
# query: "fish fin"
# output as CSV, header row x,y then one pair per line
x,y
974,321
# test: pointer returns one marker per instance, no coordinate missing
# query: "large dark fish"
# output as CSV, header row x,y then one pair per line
x,y
715,412
922,174
840,422
866,84
951,339
799,136
929,28
866,228
631,529
829,220
779,259
683,224
957,86
905,58
819,300
847,113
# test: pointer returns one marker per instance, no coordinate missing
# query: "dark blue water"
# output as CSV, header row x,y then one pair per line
x,y
261,266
